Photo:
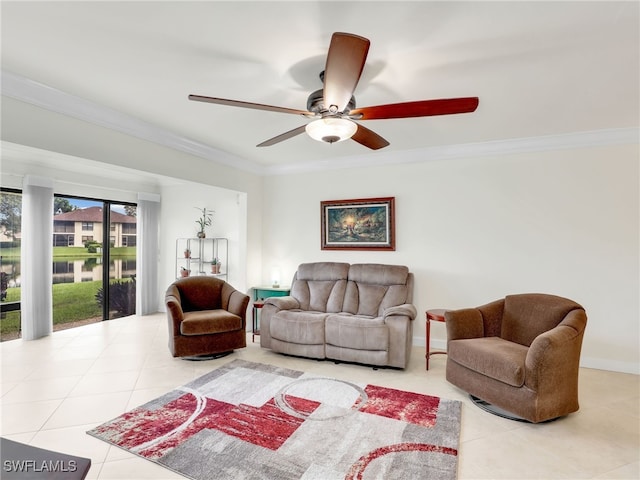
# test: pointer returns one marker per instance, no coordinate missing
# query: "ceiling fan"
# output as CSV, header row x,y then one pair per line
x,y
333,108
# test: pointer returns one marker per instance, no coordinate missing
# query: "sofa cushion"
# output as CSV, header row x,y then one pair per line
x,y
297,326
365,299
372,288
209,321
491,356
320,286
357,332
200,293
528,315
378,273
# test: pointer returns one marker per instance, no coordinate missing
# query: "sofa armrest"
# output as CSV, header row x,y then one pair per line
x,y
283,303
553,358
238,303
464,323
405,310
175,314
272,306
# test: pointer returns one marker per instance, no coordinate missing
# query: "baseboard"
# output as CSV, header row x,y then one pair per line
x,y
610,365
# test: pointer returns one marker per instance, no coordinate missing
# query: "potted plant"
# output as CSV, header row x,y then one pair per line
x,y
187,253
215,265
204,221
184,272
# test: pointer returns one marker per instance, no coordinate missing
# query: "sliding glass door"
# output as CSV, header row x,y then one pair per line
x,y
77,261
93,267
121,261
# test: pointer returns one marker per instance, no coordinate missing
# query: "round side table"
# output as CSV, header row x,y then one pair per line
x,y
437,315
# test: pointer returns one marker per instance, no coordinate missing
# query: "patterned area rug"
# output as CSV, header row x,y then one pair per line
x,y
247,420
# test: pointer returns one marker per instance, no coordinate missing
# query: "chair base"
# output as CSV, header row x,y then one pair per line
x,y
487,407
206,356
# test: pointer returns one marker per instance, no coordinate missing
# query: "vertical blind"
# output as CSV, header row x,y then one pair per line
x,y
147,254
35,258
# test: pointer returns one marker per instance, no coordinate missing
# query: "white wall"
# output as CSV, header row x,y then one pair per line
x,y
474,230
177,220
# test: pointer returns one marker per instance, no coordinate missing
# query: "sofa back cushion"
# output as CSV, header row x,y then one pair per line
x,y
530,314
320,286
200,293
371,288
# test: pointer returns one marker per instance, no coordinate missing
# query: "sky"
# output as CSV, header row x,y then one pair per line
x,y
81,203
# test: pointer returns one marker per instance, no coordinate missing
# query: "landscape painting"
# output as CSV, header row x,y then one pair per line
x,y
359,224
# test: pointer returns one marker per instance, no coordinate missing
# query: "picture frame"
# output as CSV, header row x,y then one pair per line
x,y
358,224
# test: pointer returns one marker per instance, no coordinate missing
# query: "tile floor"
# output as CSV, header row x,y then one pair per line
x,y
56,388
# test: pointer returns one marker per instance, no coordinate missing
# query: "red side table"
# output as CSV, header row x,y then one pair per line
x,y
436,314
255,330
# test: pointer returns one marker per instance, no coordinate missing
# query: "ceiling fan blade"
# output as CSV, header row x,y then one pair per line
x,y
255,106
369,138
282,137
345,61
421,108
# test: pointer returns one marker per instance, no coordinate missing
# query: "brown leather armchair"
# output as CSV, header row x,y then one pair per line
x,y
520,354
206,315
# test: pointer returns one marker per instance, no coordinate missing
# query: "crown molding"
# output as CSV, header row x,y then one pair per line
x,y
41,95
595,138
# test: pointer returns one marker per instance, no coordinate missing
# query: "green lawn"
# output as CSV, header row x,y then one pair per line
x,y
75,301
71,301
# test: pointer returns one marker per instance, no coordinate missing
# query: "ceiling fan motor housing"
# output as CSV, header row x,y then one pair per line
x,y
315,103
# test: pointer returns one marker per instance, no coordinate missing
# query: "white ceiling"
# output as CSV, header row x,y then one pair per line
x,y
539,68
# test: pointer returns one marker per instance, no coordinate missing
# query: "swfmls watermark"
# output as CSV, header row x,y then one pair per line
x,y
39,466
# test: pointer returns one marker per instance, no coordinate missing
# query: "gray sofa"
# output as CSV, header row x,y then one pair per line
x,y
359,313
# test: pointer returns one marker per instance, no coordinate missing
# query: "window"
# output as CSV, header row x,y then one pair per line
x,y
10,236
87,226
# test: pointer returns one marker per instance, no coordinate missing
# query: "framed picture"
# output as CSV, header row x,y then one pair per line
x,y
360,224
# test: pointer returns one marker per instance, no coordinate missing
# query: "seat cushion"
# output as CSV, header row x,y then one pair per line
x,y
298,326
357,332
491,356
206,322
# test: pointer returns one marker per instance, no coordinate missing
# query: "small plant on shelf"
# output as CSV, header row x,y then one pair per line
x,y
215,265
205,220
187,253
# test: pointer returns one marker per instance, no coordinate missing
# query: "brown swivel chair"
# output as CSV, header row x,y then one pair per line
x,y
520,354
207,317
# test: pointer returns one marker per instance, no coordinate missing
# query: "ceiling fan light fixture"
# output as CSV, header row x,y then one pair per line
x,y
331,130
